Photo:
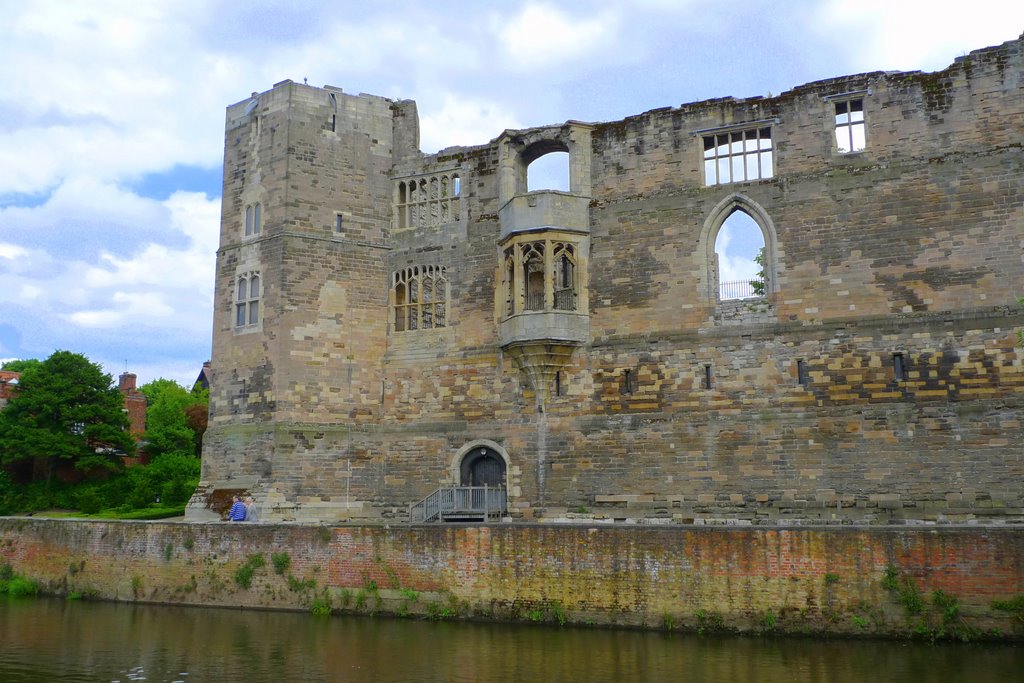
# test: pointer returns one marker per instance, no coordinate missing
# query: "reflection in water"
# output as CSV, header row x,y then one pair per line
x,y
52,640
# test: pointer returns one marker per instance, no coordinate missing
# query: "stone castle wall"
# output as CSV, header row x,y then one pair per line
x,y
911,247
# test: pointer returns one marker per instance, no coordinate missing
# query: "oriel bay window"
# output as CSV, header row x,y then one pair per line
x,y
540,275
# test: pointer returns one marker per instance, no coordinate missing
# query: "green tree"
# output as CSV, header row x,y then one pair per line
x,y
758,284
65,410
20,365
167,429
197,416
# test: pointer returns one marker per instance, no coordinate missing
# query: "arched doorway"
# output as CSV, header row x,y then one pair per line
x,y
482,466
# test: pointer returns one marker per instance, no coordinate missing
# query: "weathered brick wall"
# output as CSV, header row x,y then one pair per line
x,y
911,246
795,579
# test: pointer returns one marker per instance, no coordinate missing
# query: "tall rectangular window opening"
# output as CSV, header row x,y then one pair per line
x,y
558,383
627,382
737,156
707,376
339,221
247,300
851,135
899,367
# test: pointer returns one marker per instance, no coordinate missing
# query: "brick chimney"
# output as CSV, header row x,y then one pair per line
x,y
126,382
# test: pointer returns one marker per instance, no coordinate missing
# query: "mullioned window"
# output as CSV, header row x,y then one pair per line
x,y
427,201
420,296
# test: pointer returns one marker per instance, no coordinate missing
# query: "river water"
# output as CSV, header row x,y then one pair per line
x,y
47,639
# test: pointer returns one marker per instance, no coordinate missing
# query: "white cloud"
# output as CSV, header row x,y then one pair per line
x,y
916,34
155,285
462,121
543,35
12,251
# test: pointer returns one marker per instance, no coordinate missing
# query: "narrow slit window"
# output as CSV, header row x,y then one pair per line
x,y
801,373
707,376
899,367
627,382
558,384
339,223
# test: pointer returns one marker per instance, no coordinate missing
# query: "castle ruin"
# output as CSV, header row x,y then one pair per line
x,y
388,322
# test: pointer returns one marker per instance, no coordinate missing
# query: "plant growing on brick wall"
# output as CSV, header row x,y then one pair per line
x,y
321,606
767,622
708,622
1014,606
281,562
558,613
243,575
299,585
904,589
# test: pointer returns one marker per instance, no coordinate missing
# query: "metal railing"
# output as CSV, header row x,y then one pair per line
x,y
740,289
455,501
565,300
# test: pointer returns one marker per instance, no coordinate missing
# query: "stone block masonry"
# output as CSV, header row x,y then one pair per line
x,y
426,320
854,581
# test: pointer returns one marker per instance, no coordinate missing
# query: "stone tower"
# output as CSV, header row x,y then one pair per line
x,y
305,219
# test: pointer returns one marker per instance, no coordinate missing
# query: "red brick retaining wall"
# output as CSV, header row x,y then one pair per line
x,y
793,579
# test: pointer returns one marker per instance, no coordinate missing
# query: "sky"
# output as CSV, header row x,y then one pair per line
x,y
112,119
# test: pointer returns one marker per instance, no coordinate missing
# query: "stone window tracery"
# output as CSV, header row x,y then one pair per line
x,y
247,299
427,201
540,275
253,219
420,295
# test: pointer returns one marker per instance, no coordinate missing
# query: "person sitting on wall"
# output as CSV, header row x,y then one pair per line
x,y
237,511
251,514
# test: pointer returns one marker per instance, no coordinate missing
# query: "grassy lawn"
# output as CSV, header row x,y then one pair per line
x,y
155,512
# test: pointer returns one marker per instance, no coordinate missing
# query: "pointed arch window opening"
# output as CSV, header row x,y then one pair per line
x,y
565,277
508,283
253,219
533,267
740,223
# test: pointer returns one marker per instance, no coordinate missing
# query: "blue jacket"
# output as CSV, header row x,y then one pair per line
x,y
237,513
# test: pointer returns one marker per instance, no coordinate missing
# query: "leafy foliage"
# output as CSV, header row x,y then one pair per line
x,y
167,429
758,284
65,409
20,365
